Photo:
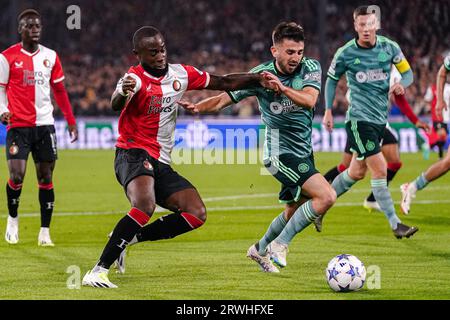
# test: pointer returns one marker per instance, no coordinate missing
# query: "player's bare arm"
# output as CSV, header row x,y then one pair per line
x,y
120,97
236,81
306,97
440,82
212,104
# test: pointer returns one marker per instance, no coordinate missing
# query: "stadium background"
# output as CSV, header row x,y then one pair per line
x,y
220,37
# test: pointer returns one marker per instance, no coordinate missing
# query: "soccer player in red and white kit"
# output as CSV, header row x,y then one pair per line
x,y
27,72
148,96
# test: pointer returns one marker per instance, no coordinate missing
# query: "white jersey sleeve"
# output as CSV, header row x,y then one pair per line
x,y
4,79
428,95
446,113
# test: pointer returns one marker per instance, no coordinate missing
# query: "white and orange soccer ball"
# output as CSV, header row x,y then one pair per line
x,y
345,273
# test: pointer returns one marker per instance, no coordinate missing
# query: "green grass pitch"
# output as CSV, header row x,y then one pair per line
x,y
210,263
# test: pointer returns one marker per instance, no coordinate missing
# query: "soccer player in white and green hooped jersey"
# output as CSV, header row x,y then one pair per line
x,y
439,168
287,108
366,61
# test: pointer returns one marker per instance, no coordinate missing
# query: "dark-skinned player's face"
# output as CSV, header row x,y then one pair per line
x,y
152,52
288,54
30,28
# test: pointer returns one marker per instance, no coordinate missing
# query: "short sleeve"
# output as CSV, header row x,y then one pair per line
x,y
4,71
337,67
313,75
57,71
197,79
447,62
240,95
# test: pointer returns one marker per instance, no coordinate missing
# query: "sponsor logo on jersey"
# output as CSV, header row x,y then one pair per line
x,y
159,109
285,106
147,165
18,64
176,85
13,150
47,63
371,76
313,76
31,78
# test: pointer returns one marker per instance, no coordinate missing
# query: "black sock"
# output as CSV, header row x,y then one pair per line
x,y
390,175
168,227
13,200
123,233
441,145
332,174
47,200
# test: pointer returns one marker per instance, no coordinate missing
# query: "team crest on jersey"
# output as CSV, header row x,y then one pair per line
x,y
47,63
383,57
148,165
13,150
176,85
303,167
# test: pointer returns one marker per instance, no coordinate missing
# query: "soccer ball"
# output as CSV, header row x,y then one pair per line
x,y
345,273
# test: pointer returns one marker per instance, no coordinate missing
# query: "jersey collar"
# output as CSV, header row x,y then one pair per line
x,y
30,54
364,48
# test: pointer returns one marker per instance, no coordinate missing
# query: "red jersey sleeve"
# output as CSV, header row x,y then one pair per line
x,y
197,79
57,72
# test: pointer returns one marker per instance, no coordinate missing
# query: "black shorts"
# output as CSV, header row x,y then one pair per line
x,y
388,138
40,141
132,163
365,137
292,172
440,125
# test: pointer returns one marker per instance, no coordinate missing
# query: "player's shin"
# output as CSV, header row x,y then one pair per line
x,y
46,200
169,226
13,192
393,168
274,230
123,233
342,183
384,199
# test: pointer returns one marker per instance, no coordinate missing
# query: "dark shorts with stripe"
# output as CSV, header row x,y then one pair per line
x,y
365,138
388,138
292,172
132,163
40,141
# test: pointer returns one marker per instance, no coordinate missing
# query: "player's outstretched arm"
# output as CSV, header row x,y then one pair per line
x,y
209,105
236,81
440,83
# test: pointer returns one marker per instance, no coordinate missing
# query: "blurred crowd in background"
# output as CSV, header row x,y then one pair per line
x,y
223,37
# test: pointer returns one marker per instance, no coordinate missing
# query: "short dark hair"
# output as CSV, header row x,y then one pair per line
x,y
288,30
361,11
144,32
27,12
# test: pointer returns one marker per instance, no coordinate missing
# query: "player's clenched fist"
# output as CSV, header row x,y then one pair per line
x,y
5,117
128,85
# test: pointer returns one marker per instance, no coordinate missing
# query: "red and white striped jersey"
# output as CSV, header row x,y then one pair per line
x,y
148,119
28,78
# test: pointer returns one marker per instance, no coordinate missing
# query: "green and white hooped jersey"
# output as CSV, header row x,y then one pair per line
x,y
288,126
368,72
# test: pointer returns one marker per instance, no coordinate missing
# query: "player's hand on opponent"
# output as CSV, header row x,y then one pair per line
x,y
423,125
397,89
128,85
189,106
73,131
5,118
272,82
327,120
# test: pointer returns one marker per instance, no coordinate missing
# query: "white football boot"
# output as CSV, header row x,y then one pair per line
x,y
98,278
263,261
278,253
408,193
44,239
12,230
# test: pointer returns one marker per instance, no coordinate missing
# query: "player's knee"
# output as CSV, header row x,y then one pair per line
x,y
328,198
144,204
16,178
45,179
199,212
